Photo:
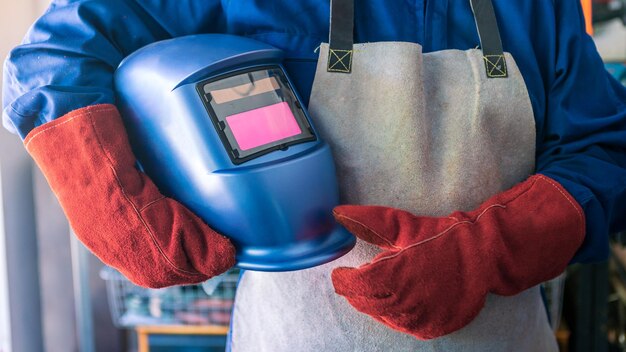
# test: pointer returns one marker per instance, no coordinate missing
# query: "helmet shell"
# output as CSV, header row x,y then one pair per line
x,y
276,205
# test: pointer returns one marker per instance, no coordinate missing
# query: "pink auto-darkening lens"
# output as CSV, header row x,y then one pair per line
x,y
264,125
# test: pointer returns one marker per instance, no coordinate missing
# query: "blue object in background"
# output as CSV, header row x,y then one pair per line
x,y
186,343
274,201
617,70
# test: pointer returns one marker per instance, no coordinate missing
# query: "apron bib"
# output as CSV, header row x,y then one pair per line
x,y
428,133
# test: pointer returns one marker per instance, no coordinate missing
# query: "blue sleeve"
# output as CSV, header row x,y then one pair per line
x,y
582,143
67,59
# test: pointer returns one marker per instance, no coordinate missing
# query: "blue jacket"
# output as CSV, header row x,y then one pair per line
x,y
68,57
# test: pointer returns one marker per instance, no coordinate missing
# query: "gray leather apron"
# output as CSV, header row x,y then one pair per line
x,y
429,133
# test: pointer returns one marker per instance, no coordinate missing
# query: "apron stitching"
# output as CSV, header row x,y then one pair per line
x,y
491,66
346,54
478,81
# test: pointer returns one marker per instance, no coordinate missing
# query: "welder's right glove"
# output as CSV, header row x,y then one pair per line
x,y
116,210
434,273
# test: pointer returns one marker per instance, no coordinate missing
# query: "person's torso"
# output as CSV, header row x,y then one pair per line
x,y
299,310
428,133
423,130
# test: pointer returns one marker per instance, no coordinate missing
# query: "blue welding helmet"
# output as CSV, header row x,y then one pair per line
x,y
216,123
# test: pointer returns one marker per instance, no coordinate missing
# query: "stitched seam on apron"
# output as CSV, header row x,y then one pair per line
x,y
493,66
346,54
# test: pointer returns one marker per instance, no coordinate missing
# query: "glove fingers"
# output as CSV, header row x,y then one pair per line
x,y
433,322
390,228
372,307
373,224
353,282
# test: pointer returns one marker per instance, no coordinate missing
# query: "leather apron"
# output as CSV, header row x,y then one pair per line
x,y
425,132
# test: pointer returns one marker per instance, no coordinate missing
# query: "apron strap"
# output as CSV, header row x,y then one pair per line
x,y
342,37
490,42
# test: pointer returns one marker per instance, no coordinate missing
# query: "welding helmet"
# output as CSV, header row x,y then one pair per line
x,y
216,123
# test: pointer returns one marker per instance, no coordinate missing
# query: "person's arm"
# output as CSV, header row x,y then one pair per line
x,y
582,143
58,96
67,59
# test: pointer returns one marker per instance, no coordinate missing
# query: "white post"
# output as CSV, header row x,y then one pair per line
x,y
20,304
21,323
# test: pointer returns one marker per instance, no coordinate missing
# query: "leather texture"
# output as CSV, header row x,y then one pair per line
x,y
428,133
116,210
515,240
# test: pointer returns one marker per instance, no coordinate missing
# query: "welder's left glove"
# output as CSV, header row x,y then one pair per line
x,y
435,272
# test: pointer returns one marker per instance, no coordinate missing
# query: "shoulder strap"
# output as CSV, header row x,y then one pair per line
x,y
490,42
342,37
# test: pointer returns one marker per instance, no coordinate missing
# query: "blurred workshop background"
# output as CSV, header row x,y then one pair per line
x,y
55,296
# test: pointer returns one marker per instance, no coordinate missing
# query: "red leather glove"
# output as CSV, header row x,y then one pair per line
x,y
116,210
435,272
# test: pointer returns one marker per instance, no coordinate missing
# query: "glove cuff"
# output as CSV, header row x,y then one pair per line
x,y
116,210
540,226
